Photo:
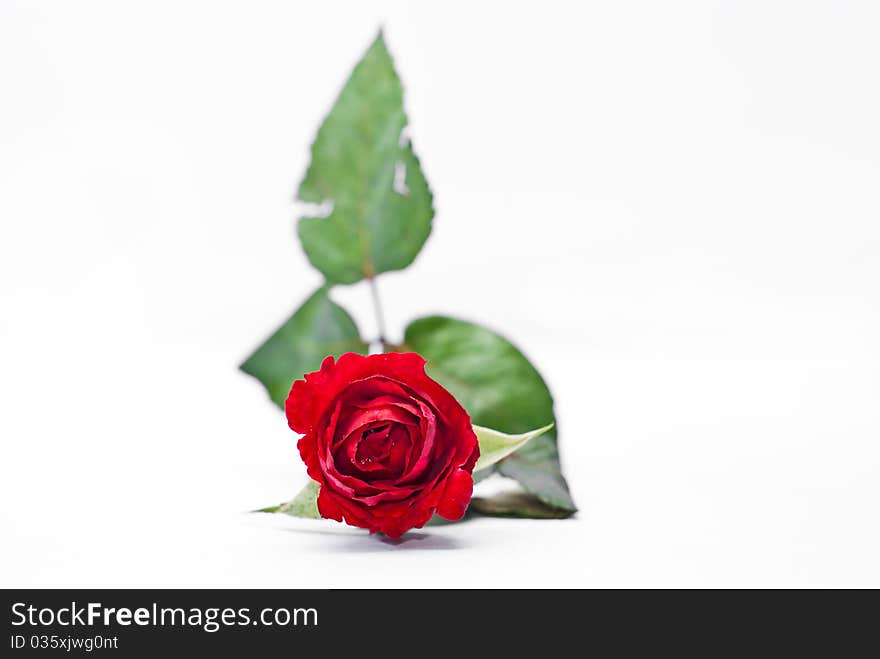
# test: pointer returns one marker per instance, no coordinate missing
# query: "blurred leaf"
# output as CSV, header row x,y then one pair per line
x,y
358,164
304,504
517,504
536,467
500,389
495,446
320,327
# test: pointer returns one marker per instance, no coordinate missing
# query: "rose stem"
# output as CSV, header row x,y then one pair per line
x,y
377,307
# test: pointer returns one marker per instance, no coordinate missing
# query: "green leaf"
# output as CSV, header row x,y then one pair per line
x,y
320,327
375,225
537,469
495,446
304,504
517,504
500,389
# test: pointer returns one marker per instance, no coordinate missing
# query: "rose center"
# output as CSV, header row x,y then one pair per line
x,y
375,445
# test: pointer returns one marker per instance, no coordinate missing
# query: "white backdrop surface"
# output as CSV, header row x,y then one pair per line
x,y
671,207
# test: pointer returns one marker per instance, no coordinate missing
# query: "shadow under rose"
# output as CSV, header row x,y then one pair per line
x,y
351,541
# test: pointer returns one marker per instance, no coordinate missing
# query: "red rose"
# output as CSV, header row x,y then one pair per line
x,y
388,445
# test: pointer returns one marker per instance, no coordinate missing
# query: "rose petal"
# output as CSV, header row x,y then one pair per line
x,y
456,496
425,448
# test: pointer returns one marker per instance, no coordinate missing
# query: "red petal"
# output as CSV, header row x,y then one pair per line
x,y
456,496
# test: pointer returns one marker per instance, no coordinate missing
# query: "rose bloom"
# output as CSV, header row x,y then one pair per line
x,y
387,444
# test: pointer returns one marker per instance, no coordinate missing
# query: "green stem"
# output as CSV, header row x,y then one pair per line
x,y
380,318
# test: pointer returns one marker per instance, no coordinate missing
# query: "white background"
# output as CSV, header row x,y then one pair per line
x,y
671,207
